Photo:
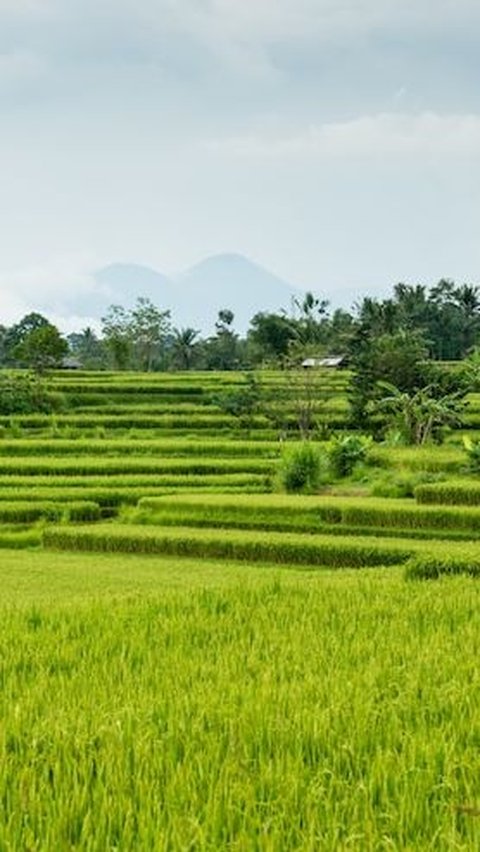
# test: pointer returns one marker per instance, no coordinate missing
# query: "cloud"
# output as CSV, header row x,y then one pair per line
x,y
236,33
20,67
52,287
385,134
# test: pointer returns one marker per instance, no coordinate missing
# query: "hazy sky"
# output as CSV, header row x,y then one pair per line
x,y
337,142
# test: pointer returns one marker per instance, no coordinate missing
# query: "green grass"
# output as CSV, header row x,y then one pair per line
x,y
38,466
20,512
226,689
244,545
172,448
184,706
453,493
430,566
428,458
306,513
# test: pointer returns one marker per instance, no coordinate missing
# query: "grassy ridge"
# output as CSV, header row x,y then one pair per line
x,y
466,493
173,447
310,513
31,511
284,548
38,466
431,566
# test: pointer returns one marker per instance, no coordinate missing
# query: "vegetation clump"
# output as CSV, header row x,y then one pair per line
x,y
25,393
345,452
301,468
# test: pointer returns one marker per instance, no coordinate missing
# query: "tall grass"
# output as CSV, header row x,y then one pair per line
x,y
284,713
309,513
466,493
283,548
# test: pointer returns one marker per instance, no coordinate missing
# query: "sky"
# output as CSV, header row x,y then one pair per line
x,y
336,142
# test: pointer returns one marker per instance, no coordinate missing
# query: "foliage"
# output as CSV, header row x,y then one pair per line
x,y
23,393
301,467
41,349
270,336
148,327
222,351
184,348
345,452
447,316
418,416
398,359
88,348
305,391
136,338
116,332
14,336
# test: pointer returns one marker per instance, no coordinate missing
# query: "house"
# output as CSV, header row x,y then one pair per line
x,y
70,363
329,361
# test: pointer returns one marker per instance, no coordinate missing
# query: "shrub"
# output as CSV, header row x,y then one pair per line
x,y
301,468
345,453
26,394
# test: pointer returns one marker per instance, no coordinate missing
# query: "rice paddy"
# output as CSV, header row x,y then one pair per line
x,y
190,660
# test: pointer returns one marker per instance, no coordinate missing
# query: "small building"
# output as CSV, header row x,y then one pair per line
x,y
70,363
332,361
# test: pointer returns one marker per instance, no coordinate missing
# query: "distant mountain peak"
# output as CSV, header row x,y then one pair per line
x,y
194,297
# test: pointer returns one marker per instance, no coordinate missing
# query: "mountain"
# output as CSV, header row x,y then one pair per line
x,y
123,283
229,281
195,296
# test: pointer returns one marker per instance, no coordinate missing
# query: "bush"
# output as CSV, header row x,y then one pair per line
x,y
301,468
26,394
345,453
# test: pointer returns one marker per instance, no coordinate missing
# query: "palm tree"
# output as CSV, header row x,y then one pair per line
x,y
183,346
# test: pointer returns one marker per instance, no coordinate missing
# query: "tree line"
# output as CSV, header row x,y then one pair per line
x,y
445,321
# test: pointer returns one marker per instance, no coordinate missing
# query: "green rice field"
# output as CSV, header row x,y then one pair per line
x,y
192,660
172,704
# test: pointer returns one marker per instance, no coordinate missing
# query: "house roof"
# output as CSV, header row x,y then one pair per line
x,y
330,361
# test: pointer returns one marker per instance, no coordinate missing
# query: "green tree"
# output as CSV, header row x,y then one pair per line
x,y
88,348
418,416
270,336
116,333
222,350
184,347
136,338
312,323
148,328
42,348
398,358
16,334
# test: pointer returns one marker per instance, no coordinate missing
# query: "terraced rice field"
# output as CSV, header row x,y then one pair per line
x,y
190,660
